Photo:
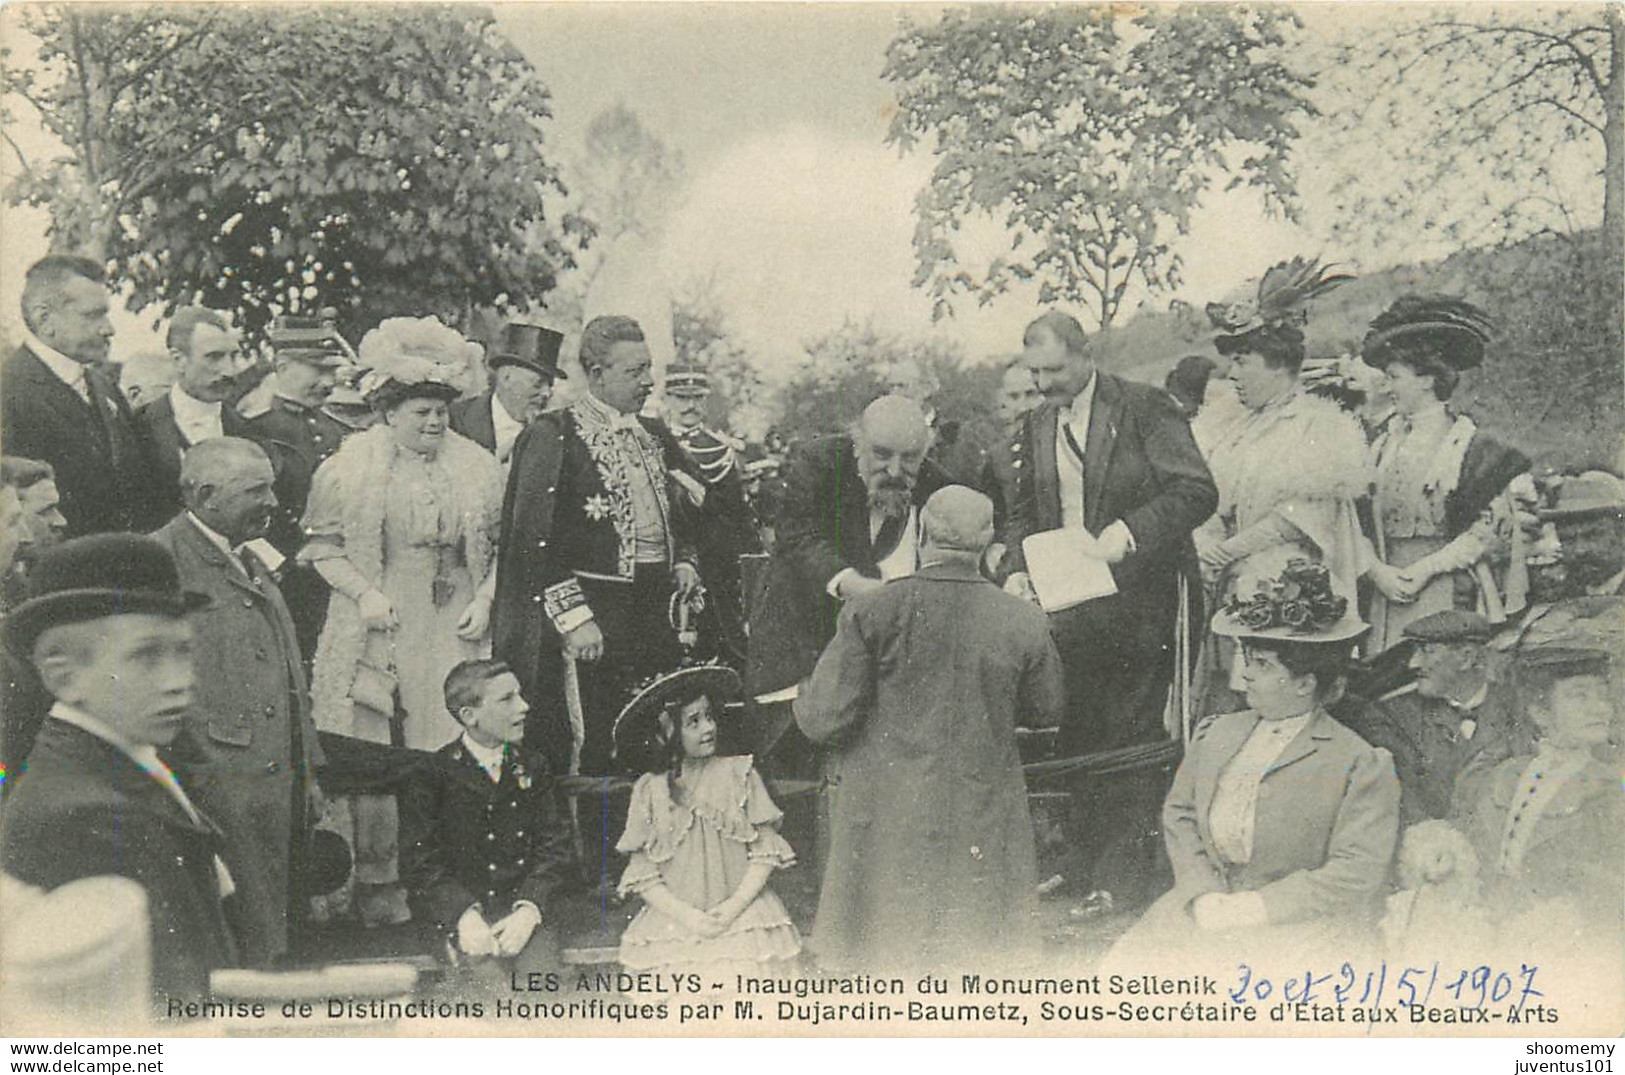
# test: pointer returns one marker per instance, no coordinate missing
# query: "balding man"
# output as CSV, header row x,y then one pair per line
x,y
849,521
931,860
59,402
248,749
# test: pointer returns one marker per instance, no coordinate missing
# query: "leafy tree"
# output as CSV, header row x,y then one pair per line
x,y
740,398
1488,125
1091,137
383,160
848,368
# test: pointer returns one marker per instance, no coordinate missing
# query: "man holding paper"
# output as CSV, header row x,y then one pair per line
x,y
1114,481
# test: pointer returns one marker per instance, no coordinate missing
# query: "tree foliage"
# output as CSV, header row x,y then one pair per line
x,y
740,399
845,370
383,160
1091,137
1486,126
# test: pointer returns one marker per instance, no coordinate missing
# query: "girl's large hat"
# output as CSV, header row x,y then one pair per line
x,y
638,732
1299,606
1444,326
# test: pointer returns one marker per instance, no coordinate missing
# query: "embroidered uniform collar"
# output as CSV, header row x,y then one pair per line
x,y
602,413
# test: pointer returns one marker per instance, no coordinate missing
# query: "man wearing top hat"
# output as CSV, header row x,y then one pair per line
x,y
597,536
1463,709
523,370
299,435
727,526
107,630
248,751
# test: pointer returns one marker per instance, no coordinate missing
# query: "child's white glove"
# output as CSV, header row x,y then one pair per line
x,y
474,936
513,932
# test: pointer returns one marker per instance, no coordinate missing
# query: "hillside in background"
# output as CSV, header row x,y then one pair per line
x,y
1553,383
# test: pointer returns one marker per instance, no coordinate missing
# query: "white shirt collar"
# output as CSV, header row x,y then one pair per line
x,y
504,426
1084,401
1473,702
68,714
490,758
196,419
68,371
215,537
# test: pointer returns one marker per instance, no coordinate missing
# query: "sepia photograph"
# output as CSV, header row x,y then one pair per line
x,y
814,520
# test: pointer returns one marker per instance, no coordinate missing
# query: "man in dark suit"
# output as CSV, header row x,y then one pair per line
x,y
107,630
1018,397
299,435
1117,459
596,537
198,405
248,749
523,369
59,403
848,522
484,842
1463,712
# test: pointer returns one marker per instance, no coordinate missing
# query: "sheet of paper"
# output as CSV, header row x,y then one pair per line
x,y
1066,568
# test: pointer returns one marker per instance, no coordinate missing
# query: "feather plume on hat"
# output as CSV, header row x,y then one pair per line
x,y
1447,326
1283,296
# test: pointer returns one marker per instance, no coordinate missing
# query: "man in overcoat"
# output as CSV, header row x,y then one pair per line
x,y
59,403
1116,458
597,536
106,627
248,750
931,859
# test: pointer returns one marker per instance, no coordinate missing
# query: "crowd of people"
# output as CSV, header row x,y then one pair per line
x,y
369,633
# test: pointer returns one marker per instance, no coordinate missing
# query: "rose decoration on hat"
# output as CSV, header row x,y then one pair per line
x,y
1300,600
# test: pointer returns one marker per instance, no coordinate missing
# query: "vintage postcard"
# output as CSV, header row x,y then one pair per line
x,y
813,520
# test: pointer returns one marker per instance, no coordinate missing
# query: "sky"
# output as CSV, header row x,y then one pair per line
x,y
795,208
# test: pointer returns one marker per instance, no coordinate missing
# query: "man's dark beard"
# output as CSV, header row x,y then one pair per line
x,y
891,499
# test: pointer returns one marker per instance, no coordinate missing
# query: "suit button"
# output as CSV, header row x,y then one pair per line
x,y
247,603
272,767
492,867
490,836
550,488
270,711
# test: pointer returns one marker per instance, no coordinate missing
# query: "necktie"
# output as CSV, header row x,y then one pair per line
x,y
891,532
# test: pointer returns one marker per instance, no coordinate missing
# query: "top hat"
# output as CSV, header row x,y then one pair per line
x,y
531,346
639,737
100,575
1299,606
687,380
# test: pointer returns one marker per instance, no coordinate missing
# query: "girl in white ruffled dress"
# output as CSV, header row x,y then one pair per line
x,y
702,833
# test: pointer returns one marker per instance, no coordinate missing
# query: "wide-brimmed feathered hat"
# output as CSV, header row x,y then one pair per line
x,y
410,357
1445,327
640,734
1281,307
1298,606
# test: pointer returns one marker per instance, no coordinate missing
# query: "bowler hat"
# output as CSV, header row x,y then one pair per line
x,y
531,346
1450,625
638,735
1596,492
92,577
